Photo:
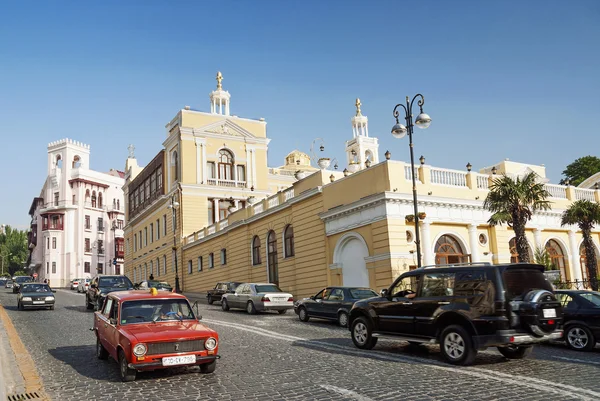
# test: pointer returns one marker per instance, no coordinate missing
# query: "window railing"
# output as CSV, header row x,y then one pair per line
x,y
483,182
409,177
448,177
226,183
584,194
556,191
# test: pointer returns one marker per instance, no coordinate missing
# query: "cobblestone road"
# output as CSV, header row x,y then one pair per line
x,y
273,357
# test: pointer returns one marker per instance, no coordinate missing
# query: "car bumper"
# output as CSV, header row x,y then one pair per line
x,y
274,306
511,337
30,304
158,364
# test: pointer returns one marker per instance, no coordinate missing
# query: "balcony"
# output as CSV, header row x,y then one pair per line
x,y
226,183
94,206
57,205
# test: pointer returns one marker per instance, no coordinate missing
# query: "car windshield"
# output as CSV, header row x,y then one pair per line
x,y
35,288
22,279
115,282
519,281
362,293
155,310
159,285
233,286
267,288
593,297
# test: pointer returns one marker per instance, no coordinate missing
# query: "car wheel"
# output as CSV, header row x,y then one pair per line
x,y
457,346
101,352
250,308
516,351
88,304
343,319
362,333
303,314
127,375
579,338
210,302
224,305
208,367
282,312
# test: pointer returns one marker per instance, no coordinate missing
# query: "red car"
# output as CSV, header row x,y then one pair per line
x,y
148,330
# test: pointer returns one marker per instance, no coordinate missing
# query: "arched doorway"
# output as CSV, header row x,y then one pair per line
x,y
557,256
449,251
514,255
350,252
272,267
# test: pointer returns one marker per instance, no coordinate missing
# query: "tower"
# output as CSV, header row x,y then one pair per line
x,y
219,99
361,147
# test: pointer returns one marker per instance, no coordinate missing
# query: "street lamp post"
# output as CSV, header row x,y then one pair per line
x,y
399,131
173,206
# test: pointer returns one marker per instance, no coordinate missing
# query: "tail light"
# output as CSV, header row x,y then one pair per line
x,y
265,299
291,299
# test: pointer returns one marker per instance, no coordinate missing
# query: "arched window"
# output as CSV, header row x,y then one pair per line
x,y
164,264
557,256
256,250
226,163
58,161
134,274
157,266
100,200
175,165
145,271
449,251
151,267
87,195
118,204
76,162
94,199
514,255
272,257
368,155
288,237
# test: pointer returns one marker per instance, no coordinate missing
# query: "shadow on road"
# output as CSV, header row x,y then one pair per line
x,y
79,309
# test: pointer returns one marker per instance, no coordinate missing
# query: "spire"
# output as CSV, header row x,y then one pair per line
x,y
219,79
131,150
358,104
359,122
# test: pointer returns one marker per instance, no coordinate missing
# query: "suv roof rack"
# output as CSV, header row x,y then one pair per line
x,y
458,265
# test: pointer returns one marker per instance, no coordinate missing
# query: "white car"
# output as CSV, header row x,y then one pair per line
x,y
75,283
257,297
84,283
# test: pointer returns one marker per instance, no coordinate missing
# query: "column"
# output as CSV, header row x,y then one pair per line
x,y
254,167
198,162
220,106
216,209
574,252
227,107
204,164
236,202
537,238
212,105
248,169
473,242
428,256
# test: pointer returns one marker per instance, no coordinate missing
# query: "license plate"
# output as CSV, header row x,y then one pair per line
x,y
548,313
38,302
178,360
280,299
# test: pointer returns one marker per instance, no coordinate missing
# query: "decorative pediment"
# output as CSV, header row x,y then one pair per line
x,y
227,128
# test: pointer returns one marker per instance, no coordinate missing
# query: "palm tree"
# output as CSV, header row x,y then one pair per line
x,y
513,201
585,214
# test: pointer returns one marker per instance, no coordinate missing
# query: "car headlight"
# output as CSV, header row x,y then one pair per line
x,y
210,344
140,350
49,298
26,299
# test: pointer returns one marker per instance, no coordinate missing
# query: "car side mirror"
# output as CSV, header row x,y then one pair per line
x,y
112,321
384,292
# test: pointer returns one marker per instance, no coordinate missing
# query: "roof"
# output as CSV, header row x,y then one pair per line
x,y
145,294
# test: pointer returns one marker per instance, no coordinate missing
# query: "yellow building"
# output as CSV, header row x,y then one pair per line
x,y
235,222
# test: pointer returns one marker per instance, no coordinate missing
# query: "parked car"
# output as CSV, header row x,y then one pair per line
x,y
75,283
159,285
84,284
153,330
100,286
464,308
221,288
581,318
35,295
258,297
18,280
332,303
3,281
9,284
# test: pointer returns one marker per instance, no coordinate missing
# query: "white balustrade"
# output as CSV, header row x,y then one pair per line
x,y
211,181
273,201
454,178
556,191
223,224
288,194
483,182
409,177
189,239
200,234
584,194
258,208
211,229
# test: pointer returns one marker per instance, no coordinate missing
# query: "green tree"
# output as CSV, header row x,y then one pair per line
x,y
13,249
542,257
585,215
513,201
580,170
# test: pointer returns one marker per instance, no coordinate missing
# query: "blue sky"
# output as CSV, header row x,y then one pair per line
x,y
503,79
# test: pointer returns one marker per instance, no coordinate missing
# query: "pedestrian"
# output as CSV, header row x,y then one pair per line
x,y
151,276
45,281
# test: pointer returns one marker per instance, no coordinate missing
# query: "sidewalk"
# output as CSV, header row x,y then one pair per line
x,y
11,381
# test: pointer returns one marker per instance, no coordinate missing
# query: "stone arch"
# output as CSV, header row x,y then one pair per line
x,y
350,252
58,161
447,241
559,253
76,161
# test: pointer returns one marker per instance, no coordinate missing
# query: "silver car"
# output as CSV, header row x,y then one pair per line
x,y
257,297
83,285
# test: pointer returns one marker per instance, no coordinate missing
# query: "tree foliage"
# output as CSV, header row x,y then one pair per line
x,y
13,249
542,257
513,201
581,169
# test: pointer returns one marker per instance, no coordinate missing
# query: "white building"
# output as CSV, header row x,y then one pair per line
x,y
77,220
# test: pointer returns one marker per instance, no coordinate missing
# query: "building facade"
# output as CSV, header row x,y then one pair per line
x,y
77,220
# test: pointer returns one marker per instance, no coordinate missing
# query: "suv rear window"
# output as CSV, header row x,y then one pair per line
x,y
518,281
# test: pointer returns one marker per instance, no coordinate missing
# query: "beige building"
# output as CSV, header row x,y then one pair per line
x,y
237,219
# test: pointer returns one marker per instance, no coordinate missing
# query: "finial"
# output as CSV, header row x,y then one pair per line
x,y
219,79
131,148
358,104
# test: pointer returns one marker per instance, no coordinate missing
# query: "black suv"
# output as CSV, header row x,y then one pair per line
x,y
464,308
225,287
100,286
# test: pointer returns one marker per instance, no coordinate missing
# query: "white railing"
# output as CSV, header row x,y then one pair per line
x,y
582,193
277,171
223,224
288,194
483,182
200,234
273,201
408,176
454,178
241,184
189,239
211,181
556,191
212,229
258,208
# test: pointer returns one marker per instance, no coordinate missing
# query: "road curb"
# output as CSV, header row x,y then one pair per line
x,y
31,378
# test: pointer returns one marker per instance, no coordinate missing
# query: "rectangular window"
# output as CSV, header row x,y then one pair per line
x,y
88,247
74,200
159,179
140,237
211,212
53,267
88,223
199,263
56,198
120,224
47,267
157,229
241,173
189,267
48,243
100,224
164,264
100,247
223,256
135,242
53,242
128,245
211,170
211,260
151,232
165,225
87,267
100,268
438,285
145,236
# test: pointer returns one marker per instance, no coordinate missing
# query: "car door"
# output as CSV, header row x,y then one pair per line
x,y
111,332
102,322
318,308
235,297
332,303
219,291
245,295
436,291
396,312
314,304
